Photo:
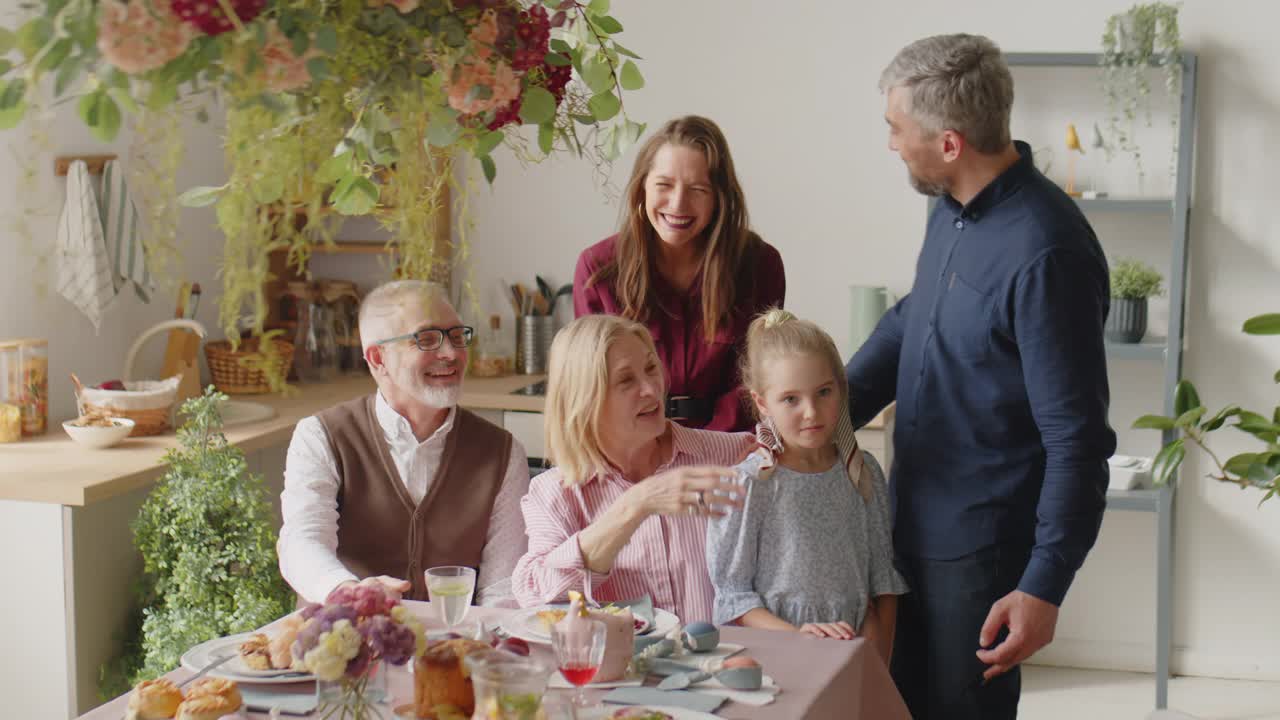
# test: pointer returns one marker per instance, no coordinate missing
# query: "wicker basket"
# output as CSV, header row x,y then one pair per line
x,y
233,378
148,403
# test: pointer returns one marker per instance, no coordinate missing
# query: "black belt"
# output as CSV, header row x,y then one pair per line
x,y
688,408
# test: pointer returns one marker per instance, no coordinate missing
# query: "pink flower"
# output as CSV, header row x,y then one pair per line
x,y
139,35
500,80
285,71
484,35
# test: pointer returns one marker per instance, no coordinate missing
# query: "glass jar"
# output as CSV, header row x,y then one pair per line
x,y
10,410
495,356
507,686
315,349
24,375
344,299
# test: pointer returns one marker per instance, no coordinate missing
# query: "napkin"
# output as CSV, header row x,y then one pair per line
x,y
700,702
763,696
83,273
122,232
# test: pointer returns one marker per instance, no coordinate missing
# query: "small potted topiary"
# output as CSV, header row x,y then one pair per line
x,y
1132,283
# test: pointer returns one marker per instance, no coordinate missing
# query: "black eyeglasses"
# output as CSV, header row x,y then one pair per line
x,y
429,339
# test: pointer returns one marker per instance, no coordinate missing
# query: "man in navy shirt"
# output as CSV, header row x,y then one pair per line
x,y
997,363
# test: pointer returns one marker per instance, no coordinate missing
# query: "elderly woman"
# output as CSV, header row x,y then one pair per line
x,y
625,508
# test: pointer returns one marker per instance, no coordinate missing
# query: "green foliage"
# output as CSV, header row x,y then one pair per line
x,y
1256,469
1144,36
208,549
1134,280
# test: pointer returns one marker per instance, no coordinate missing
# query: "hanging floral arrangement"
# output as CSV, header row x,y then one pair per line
x,y
333,107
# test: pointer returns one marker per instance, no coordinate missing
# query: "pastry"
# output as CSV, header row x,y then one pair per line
x,y
440,678
279,648
154,699
217,687
206,707
550,617
254,652
620,635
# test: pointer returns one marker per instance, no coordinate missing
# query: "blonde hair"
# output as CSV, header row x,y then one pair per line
x,y
730,243
577,383
777,332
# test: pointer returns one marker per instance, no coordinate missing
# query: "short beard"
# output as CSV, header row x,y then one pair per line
x,y
440,397
925,187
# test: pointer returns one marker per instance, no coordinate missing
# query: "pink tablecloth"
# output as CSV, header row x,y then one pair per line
x,y
820,679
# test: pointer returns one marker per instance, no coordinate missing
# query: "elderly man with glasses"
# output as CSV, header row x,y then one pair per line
x,y
382,487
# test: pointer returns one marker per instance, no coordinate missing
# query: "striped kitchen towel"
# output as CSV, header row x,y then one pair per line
x,y
123,233
83,274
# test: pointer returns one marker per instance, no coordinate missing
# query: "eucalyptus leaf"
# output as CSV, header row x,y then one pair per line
x,y
598,7
7,40
334,169
604,105
15,90
355,195
10,117
56,54
326,39
546,137
300,42
33,36
443,128
268,188
67,73
630,77
201,196
538,106
560,46
490,170
597,74
608,24
557,59
488,142
162,95
318,69
623,51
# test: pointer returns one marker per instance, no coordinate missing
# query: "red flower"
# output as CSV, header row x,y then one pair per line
x,y
209,16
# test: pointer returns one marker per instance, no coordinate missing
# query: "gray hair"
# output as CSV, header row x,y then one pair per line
x,y
956,82
383,305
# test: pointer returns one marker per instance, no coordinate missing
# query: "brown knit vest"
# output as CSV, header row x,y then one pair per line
x,y
380,530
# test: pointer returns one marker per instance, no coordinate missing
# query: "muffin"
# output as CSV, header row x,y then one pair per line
x,y
439,678
154,700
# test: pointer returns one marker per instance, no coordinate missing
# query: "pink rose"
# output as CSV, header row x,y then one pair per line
x,y
285,71
498,77
139,35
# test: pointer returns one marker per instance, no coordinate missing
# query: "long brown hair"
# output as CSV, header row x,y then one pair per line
x,y
728,238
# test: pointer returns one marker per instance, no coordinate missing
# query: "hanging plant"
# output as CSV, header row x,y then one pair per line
x,y
334,108
1144,36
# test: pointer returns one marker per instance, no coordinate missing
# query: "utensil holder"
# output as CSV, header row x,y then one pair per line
x,y
533,343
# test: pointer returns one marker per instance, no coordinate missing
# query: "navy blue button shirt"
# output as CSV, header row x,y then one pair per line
x,y
997,362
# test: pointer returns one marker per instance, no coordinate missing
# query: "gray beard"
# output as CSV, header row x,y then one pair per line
x,y
925,187
440,397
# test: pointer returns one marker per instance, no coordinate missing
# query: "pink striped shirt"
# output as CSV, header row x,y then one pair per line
x,y
665,558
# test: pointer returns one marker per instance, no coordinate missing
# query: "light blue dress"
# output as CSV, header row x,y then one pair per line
x,y
805,546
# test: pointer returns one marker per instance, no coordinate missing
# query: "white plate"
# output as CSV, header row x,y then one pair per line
x,y
201,655
675,712
526,625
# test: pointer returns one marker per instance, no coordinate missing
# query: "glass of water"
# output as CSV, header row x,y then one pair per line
x,y
450,589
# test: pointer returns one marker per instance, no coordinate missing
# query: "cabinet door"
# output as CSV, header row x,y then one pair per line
x,y
527,427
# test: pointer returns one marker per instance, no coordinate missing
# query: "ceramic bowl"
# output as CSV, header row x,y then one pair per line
x,y
742,678
99,437
701,636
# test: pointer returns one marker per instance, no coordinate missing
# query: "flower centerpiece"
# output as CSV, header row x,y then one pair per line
x,y
345,643
333,108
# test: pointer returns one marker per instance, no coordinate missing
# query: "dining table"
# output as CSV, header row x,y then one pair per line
x,y
817,678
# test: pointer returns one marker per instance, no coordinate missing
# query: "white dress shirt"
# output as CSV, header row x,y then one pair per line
x,y
309,538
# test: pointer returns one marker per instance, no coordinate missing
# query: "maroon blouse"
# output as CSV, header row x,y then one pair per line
x,y
693,366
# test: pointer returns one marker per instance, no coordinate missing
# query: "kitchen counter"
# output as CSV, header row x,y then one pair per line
x,y
53,469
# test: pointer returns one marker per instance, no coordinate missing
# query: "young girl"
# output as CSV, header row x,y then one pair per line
x,y
810,550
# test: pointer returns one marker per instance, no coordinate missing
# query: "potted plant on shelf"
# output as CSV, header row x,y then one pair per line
x,y
1250,469
208,551
1132,283
1144,36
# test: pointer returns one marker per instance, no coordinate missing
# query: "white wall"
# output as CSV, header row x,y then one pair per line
x,y
793,85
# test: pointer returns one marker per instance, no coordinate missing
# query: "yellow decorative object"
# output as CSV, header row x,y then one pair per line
x,y
1073,143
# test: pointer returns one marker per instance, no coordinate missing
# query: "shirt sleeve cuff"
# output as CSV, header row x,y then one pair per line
x,y
1046,580
730,606
568,556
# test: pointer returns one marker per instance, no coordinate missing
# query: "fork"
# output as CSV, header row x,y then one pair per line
x,y
218,661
